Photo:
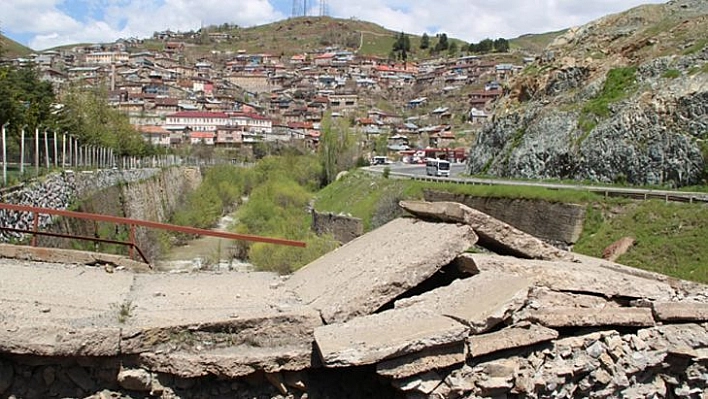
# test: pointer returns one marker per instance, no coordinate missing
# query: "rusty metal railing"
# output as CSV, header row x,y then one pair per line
x,y
132,223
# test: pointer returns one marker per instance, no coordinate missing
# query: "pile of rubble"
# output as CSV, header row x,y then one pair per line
x,y
540,323
413,309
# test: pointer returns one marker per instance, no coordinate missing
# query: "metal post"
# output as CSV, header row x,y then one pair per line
x,y
56,150
63,150
22,151
132,240
36,151
4,155
46,149
35,228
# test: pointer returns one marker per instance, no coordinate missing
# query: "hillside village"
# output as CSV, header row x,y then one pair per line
x,y
238,98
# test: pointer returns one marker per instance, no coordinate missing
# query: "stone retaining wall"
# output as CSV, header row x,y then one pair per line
x,y
556,223
147,194
343,228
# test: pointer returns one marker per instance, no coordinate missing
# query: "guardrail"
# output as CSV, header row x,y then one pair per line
x,y
132,223
634,193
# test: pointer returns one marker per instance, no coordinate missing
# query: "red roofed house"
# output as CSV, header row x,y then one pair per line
x,y
188,122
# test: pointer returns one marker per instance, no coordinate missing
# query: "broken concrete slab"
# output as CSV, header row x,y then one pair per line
x,y
571,276
231,362
540,297
439,317
368,272
557,317
424,383
680,311
70,257
481,301
494,234
33,294
189,310
426,360
509,338
59,340
392,333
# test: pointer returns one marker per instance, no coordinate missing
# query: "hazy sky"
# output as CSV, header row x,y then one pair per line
x,y
42,24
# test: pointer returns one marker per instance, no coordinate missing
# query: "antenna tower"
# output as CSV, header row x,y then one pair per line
x,y
297,8
324,8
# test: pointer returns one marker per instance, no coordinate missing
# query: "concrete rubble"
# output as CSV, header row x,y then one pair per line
x,y
383,307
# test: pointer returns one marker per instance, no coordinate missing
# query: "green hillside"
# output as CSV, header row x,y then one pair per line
x,y
534,43
11,49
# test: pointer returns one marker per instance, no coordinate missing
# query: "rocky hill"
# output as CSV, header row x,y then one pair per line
x,y
621,99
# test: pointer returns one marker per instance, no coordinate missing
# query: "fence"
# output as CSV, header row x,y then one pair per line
x,y
32,154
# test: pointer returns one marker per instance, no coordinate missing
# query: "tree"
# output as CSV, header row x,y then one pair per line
x,y
485,46
501,45
442,43
87,115
24,98
424,41
336,148
452,49
401,47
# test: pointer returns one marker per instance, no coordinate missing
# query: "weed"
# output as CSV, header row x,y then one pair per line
x,y
619,84
125,310
671,74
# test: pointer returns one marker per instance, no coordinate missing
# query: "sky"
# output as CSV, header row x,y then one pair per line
x,y
43,24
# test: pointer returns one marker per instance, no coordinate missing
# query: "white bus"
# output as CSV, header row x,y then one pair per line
x,y
437,167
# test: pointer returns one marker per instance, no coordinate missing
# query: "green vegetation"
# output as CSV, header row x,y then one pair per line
x,y
278,207
125,310
619,84
534,43
669,236
487,45
401,47
89,117
696,47
221,189
337,149
10,48
362,195
671,74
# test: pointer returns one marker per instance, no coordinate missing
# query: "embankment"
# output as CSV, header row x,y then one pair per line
x,y
147,194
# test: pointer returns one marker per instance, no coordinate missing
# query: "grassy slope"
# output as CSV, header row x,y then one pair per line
x,y
669,236
12,49
534,43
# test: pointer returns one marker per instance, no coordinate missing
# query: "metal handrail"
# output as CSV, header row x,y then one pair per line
x,y
130,222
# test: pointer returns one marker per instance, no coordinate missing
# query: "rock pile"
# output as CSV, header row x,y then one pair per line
x,y
409,311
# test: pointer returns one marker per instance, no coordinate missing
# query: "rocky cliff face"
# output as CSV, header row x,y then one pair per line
x,y
622,99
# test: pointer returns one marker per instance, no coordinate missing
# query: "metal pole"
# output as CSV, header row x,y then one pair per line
x,y
46,149
22,152
36,151
63,150
56,145
4,155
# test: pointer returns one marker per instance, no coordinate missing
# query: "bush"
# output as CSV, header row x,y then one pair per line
x,y
283,260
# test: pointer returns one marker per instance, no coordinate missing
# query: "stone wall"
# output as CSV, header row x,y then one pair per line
x,y
343,228
147,194
556,223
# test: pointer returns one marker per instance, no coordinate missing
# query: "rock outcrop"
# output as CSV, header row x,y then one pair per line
x,y
403,311
622,99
